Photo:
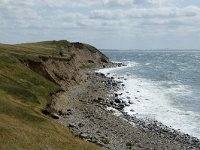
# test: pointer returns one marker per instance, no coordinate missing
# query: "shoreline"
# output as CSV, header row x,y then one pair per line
x,y
146,122
85,111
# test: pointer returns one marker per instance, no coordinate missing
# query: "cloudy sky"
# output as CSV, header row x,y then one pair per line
x,y
121,24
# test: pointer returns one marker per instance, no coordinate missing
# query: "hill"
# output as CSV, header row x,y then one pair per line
x,y
29,74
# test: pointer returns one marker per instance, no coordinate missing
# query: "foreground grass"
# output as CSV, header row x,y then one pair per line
x,y
23,94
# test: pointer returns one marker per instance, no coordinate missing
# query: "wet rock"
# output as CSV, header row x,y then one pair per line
x,y
127,104
114,84
130,102
100,74
119,82
111,103
117,100
120,106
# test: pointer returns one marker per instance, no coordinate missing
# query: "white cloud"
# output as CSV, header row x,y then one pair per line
x,y
161,12
114,3
100,18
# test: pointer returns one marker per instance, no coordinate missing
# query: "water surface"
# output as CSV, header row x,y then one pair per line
x,y
162,85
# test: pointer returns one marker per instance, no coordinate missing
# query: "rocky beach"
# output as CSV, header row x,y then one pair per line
x,y
81,100
94,112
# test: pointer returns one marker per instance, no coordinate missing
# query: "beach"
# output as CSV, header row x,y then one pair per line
x,y
94,112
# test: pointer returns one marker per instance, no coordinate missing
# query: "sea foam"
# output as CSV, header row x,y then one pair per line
x,y
149,100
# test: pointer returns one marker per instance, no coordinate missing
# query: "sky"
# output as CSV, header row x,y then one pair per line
x,y
108,24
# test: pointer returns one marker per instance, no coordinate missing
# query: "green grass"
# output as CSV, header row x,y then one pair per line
x,y
23,95
86,66
30,50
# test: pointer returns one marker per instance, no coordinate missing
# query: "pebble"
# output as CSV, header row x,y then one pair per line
x,y
83,135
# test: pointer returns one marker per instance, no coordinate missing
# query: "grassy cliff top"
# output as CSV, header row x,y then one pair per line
x,y
24,93
61,48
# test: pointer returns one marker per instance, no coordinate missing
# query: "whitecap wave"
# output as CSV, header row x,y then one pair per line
x,y
149,99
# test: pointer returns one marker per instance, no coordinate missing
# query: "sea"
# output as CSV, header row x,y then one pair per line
x,y
162,85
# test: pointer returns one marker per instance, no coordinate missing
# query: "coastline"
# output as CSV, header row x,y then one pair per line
x,y
94,112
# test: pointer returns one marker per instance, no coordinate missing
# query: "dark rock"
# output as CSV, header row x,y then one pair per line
x,y
114,84
130,102
46,112
120,106
81,125
90,61
117,100
71,125
69,113
100,99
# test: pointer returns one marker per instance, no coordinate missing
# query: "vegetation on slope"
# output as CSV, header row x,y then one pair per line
x,y
23,95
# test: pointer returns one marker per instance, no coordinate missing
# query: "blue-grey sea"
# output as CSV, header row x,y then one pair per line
x,y
162,85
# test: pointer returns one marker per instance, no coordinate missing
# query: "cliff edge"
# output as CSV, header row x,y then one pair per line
x,y
29,75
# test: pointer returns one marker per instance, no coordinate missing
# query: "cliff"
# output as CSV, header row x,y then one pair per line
x,y
28,74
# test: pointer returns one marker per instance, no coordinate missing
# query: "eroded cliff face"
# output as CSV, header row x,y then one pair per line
x,y
89,54
67,72
63,72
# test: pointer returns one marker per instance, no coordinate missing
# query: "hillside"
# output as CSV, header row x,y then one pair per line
x,y
28,74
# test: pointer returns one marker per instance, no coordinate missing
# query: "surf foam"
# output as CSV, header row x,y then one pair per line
x,y
150,100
